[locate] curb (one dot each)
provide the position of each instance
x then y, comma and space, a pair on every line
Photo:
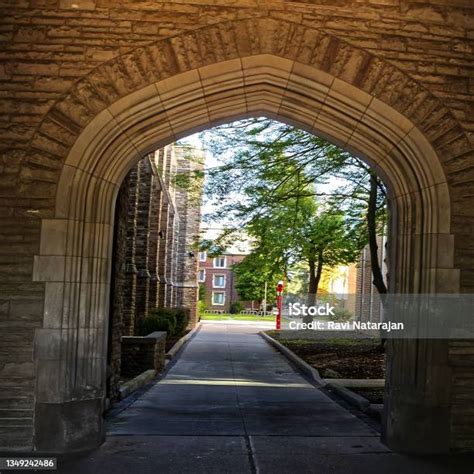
354, 399
180, 342
137, 382
350, 397
303, 366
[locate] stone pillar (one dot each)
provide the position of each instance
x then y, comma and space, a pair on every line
154, 241
163, 254
118, 296
188, 205
142, 240
170, 261
417, 405
130, 270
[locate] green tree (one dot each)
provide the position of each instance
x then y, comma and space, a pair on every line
292, 231
274, 169
251, 275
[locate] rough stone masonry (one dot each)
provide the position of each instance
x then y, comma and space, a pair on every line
156, 234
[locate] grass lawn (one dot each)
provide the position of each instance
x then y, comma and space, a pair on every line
342, 357
236, 317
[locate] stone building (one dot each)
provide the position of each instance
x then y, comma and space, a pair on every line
90, 86
154, 260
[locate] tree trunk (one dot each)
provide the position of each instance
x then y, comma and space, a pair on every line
373, 248
377, 276
315, 271
312, 285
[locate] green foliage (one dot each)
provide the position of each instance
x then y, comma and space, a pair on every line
160, 319
202, 292
236, 307
340, 315
182, 315
277, 171
293, 231
172, 320
201, 308
252, 273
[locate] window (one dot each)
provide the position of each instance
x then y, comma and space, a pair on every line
219, 262
202, 276
218, 281
202, 256
218, 298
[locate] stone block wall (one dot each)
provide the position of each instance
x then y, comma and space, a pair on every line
154, 256
119, 302
188, 204
143, 353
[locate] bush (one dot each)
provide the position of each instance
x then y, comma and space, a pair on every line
202, 292
201, 308
340, 314
236, 307
160, 319
172, 320
182, 315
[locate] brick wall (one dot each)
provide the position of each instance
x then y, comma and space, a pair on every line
229, 290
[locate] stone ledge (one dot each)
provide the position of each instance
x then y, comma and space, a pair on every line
358, 383
303, 366
151, 338
142, 353
180, 343
349, 396
137, 382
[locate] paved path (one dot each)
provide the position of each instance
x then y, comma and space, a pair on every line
232, 404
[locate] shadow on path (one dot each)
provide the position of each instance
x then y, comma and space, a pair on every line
231, 403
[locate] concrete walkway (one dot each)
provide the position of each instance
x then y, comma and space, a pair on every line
232, 404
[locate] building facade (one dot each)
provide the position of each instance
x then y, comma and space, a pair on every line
368, 304
353, 284
218, 278
154, 255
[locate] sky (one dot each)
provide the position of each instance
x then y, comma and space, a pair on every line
211, 229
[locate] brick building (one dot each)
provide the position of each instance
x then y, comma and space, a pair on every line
154, 258
218, 278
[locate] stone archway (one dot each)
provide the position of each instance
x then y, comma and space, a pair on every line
155, 95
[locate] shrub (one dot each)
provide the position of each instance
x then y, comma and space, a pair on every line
160, 319
201, 308
340, 314
236, 307
182, 315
